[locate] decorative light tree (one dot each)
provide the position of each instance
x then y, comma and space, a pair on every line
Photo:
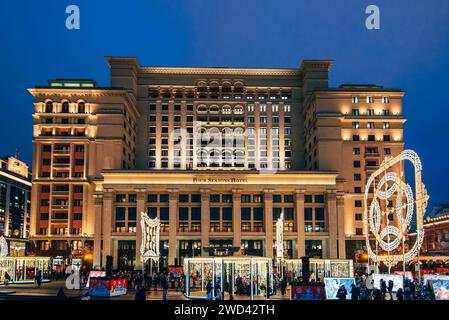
407, 204
149, 248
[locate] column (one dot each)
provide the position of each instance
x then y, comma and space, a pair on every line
341, 225
205, 220
108, 212
236, 220
141, 198
332, 223
299, 210
98, 209
268, 212
172, 226
34, 214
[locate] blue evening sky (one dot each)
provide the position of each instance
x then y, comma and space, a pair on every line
410, 51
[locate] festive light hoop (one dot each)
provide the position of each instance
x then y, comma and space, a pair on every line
149, 248
382, 191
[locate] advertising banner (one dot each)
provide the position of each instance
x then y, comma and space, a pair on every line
440, 289
428, 277
398, 281
333, 284
117, 287
308, 293
95, 274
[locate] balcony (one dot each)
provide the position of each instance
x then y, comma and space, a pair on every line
372, 154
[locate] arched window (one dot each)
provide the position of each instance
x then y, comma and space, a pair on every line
49, 107
81, 107
238, 87
227, 158
65, 107
202, 109
214, 109
238, 110
226, 87
226, 109
202, 86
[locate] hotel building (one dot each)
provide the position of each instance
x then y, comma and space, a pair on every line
15, 205
215, 153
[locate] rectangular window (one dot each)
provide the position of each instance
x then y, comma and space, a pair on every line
183, 214
183, 198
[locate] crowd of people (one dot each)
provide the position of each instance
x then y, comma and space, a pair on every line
364, 289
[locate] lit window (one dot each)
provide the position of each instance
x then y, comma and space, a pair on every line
287, 108
355, 99
386, 125
385, 100
275, 108
369, 99
370, 125
355, 125
263, 108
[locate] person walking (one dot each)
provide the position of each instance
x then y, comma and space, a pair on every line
383, 288
341, 293
390, 288
355, 292
7, 278
283, 286
164, 284
38, 278
138, 281
141, 294
399, 294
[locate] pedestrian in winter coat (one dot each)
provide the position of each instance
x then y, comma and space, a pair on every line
341, 293
355, 292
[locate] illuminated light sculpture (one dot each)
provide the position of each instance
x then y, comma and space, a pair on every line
392, 186
3, 247
280, 236
149, 248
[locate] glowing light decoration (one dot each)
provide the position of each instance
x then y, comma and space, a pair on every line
149, 248
391, 186
280, 236
3, 247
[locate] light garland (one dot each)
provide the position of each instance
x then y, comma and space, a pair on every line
149, 248
382, 191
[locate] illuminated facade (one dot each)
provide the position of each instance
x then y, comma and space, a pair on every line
15, 198
215, 153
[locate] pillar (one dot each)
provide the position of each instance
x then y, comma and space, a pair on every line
205, 220
341, 225
268, 212
299, 209
236, 220
332, 223
108, 212
172, 226
141, 198
98, 209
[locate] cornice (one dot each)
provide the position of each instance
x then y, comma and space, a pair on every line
221, 71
